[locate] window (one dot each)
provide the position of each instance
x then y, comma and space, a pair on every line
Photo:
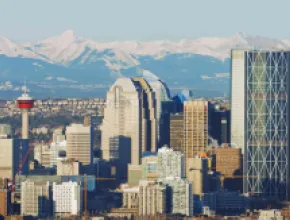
151, 167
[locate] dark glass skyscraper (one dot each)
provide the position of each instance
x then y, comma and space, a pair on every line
266, 150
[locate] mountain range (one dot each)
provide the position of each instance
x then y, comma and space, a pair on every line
72, 66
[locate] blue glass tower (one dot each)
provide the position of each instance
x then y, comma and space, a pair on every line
266, 150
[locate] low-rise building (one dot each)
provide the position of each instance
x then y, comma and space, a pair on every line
67, 167
67, 199
271, 214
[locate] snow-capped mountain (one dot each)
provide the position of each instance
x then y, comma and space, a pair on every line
11, 49
71, 62
67, 47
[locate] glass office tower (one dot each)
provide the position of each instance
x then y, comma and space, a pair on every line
266, 146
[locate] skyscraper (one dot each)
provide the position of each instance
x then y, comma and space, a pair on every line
238, 99
260, 117
195, 127
148, 104
177, 132
129, 125
79, 143
170, 163
163, 107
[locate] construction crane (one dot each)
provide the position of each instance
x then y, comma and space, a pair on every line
22, 161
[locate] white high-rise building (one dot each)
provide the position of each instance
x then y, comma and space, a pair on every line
67, 199
170, 163
238, 99
182, 199
79, 144
129, 125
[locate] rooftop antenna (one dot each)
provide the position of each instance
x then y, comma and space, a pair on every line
25, 88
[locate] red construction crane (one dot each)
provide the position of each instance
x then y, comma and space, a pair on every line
22, 161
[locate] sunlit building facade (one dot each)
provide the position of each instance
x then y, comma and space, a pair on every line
265, 102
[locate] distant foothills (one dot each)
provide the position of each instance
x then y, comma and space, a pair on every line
69, 66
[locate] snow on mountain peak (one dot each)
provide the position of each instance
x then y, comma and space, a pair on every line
12, 49
67, 47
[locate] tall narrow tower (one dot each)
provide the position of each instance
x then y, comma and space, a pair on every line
25, 103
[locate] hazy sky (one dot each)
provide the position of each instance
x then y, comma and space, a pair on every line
23, 20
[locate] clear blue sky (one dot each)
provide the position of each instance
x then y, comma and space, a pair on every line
23, 20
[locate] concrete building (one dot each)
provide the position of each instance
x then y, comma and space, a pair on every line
9, 157
149, 166
55, 149
36, 199
179, 196
229, 161
238, 70
130, 198
271, 214
177, 132
79, 143
5, 130
129, 125
260, 116
196, 172
170, 163
67, 167
67, 199
224, 202
134, 174
152, 198
5, 202
196, 121
42, 154
58, 135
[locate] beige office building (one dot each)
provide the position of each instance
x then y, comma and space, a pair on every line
9, 157
130, 198
67, 167
5, 130
197, 174
152, 198
42, 154
134, 174
195, 127
35, 199
129, 125
79, 143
